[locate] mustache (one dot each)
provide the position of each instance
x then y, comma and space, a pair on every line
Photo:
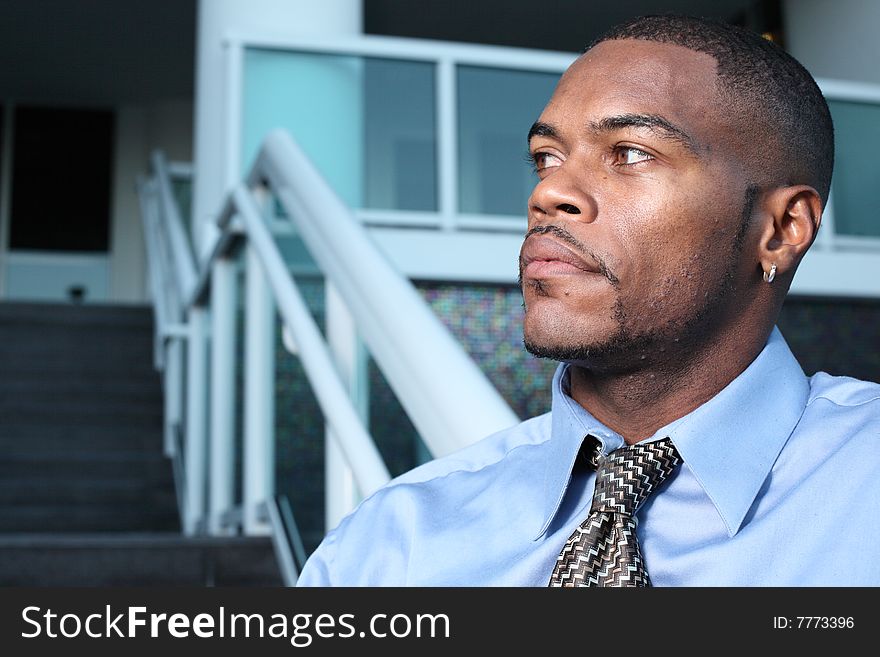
564, 236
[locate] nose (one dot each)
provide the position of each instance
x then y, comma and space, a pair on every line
561, 195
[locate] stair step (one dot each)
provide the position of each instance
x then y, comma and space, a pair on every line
145, 388
53, 314
66, 334
60, 517
86, 464
82, 366
64, 341
58, 344
33, 413
74, 489
136, 560
86, 495
129, 389
51, 443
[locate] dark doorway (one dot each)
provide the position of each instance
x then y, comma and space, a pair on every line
61, 177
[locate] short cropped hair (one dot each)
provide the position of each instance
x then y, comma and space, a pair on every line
764, 86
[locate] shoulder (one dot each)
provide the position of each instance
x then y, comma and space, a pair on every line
832, 454
484, 453
398, 513
840, 427
469, 462
843, 396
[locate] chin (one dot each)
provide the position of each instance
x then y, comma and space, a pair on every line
601, 346
558, 324
565, 344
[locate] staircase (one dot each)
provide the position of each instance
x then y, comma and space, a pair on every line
86, 495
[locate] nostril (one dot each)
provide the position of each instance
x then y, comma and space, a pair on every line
568, 208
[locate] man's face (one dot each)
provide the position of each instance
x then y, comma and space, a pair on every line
636, 226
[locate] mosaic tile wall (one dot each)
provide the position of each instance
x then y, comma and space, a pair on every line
839, 337
299, 430
487, 320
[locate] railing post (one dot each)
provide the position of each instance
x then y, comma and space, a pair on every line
349, 356
221, 454
259, 401
173, 392
195, 452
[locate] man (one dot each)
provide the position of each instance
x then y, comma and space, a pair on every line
683, 167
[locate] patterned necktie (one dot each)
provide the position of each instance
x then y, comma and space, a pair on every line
604, 549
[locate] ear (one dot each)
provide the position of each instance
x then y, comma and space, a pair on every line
791, 219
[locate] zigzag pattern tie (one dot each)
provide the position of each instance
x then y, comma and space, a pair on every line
604, 549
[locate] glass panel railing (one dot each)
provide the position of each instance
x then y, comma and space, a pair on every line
856, 174
181, 189
496, 107
396, 437
299, 423
368, 124
299, 427
400, 170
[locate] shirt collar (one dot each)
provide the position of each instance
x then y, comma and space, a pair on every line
730, 443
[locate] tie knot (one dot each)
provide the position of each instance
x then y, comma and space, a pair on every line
627, 476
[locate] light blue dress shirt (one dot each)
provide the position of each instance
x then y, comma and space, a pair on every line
780, 486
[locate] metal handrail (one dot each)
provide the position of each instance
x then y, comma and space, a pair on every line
356, 443
286, 539
414, 350
449, 399
151, 241
178, 471
182, 255
169, 310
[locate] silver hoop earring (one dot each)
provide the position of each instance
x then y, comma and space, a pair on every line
770, 275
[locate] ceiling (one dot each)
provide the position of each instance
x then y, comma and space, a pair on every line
567, 25
110, 52
96, 52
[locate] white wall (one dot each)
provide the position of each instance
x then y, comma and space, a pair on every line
835, 38
140, 129
217, 19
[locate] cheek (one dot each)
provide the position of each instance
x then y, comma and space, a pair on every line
667, 262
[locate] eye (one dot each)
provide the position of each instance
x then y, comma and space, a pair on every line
629, 155
541, 161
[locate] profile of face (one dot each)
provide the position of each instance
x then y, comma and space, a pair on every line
638, 229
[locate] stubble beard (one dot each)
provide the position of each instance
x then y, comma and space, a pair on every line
629, 348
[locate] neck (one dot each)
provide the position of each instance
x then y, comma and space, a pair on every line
636, 404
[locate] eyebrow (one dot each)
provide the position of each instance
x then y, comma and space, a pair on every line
541, 129
661, 127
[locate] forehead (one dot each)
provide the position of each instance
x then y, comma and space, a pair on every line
642, 77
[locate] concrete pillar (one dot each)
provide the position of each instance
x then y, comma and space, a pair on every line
217, 19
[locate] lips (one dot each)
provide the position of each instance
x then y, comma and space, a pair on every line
543, 256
